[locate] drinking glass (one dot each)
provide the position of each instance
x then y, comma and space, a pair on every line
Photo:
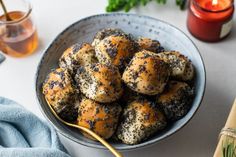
18, 35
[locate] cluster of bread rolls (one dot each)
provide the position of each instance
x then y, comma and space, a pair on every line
120, 86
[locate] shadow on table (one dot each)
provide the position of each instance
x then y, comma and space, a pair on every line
199, 137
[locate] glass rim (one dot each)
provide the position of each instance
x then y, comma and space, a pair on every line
26, 14
213, 11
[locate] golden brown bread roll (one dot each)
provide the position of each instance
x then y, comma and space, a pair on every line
181, 66
61, 94
100, 35
77, 55
100, 118
116, 50
140, 119
100, 82
150, 45
189, 72
146, 73
176, 100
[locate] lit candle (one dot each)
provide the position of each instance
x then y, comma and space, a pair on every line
210, 20
214, 2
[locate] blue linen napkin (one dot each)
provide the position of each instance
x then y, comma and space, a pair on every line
2, 58
22, 134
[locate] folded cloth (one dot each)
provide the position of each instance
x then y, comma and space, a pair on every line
22, 134
2, 58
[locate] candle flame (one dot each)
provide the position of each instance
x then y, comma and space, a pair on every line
214, 2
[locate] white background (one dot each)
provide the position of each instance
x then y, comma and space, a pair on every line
197, 139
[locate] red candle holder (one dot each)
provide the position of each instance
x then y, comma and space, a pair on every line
210, 20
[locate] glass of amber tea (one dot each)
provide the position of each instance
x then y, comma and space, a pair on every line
18, 36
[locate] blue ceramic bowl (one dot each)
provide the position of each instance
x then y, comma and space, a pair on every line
84, 30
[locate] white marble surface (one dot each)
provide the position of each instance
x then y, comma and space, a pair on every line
197, 139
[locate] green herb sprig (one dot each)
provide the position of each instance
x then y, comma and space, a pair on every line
228, 148
126, 5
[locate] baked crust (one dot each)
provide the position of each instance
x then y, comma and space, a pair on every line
146, 73
100, 82
176, 100
100, 118
140, 119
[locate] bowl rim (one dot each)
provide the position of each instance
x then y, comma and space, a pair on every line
129, 147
